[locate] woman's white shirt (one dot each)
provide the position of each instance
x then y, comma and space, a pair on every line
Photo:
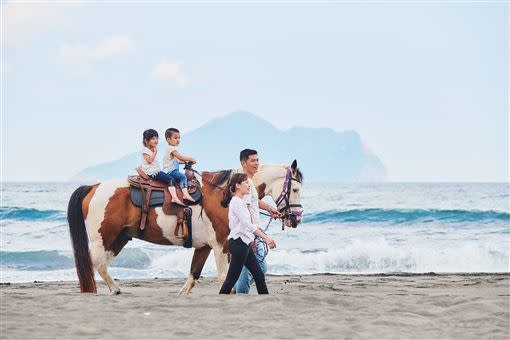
239, 221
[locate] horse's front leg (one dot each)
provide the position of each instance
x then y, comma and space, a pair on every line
221, 262
197, 264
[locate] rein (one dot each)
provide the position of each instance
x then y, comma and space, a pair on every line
287, 211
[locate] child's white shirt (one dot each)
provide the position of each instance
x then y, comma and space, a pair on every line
170, 163
150, 168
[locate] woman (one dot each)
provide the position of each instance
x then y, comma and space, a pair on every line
242, 233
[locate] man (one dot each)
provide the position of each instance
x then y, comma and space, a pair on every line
250, 164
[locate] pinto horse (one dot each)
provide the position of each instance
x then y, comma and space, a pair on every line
104, 214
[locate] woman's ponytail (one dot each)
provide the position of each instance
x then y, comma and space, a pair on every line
230, 189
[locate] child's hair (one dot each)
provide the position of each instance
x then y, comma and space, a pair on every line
148, 135
168, 132
230, 189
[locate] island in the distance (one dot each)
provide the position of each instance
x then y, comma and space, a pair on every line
322, 153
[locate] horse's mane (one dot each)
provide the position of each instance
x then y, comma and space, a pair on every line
219, 177
299, 175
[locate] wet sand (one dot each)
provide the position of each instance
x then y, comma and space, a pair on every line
428, 306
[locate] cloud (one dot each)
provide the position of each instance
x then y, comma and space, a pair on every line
80, 56
109, 47
168, 70
22, 22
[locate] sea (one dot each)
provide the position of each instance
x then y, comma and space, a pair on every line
360, 228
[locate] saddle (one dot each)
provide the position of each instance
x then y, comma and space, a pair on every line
148, 193
194, 187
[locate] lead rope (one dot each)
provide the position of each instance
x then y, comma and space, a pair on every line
264, 243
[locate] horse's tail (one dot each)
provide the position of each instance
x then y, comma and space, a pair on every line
80, 240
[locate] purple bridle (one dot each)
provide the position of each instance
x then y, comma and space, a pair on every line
285, 197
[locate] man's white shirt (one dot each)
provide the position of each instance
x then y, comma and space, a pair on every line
252, 200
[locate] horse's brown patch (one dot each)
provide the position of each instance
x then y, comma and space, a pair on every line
116, 217
152, 231
261, 190
122, 220
217, 214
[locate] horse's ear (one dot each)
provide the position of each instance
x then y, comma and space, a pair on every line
294, 166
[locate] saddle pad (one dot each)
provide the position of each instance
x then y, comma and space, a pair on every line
157, 197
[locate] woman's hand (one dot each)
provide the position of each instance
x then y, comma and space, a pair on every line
270, 242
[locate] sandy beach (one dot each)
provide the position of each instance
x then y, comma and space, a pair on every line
446, 306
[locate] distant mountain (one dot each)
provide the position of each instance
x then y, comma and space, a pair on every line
322, 154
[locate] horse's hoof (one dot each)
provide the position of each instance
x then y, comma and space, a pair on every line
222, 279
186, 289
115, 292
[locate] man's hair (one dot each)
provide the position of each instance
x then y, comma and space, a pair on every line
168, 132
246, 153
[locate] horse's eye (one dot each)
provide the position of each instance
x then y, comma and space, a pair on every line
295, 190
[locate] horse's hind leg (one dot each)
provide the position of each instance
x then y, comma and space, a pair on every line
197, 264
103, 271
101, 259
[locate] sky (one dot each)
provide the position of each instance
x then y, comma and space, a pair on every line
426, 85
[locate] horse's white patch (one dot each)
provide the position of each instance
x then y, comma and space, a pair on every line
97, 209
202, 230
167, 224
273, 175
201, 227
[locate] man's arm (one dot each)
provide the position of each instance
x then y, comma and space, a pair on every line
264, 206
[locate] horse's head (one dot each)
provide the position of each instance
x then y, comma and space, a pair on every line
283, 184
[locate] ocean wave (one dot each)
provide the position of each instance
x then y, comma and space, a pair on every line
29, 214
53, 259
380, 256
360, 256
36, 260
397, 216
